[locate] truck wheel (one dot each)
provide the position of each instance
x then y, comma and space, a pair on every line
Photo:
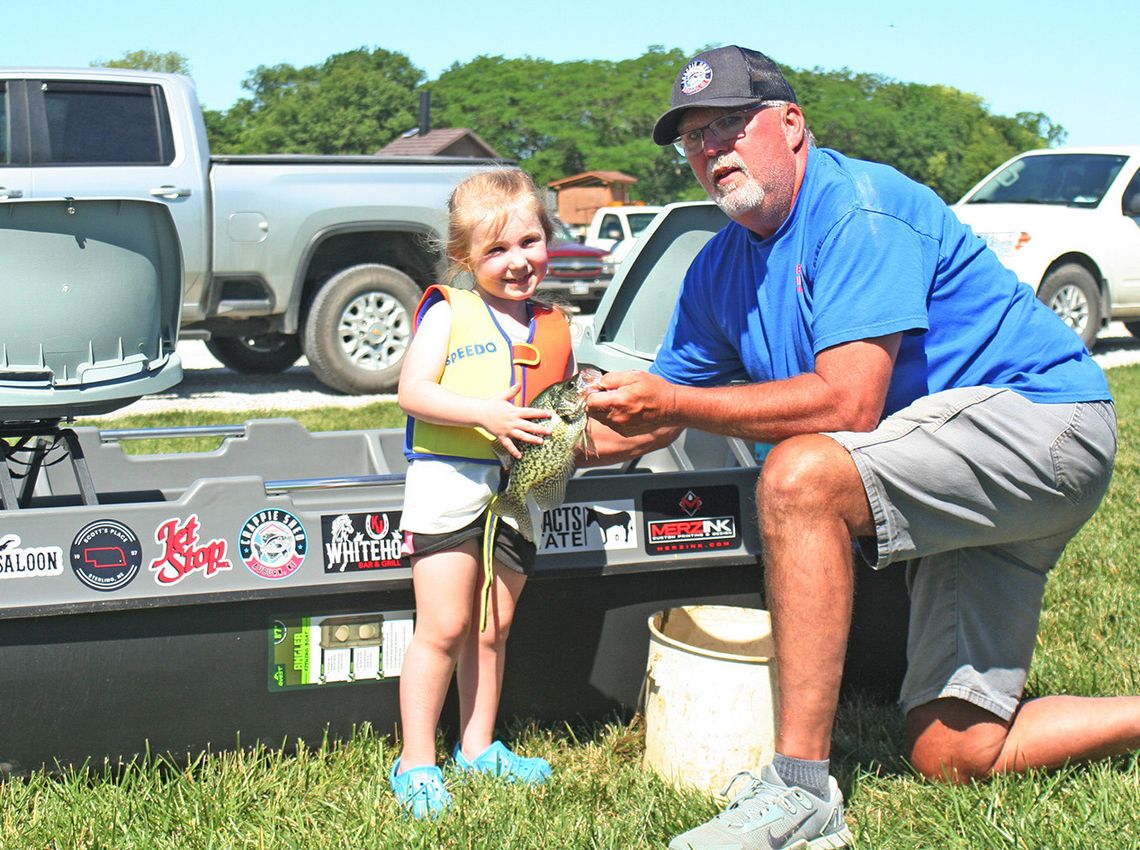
1071, 293
267, 354
1133, 328
359, 327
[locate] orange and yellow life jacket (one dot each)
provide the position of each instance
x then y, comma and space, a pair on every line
482, 362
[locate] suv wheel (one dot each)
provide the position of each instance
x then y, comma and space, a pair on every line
1071, 292
266, 354
359, 327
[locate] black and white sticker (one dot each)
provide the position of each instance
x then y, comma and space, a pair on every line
106, 555
589, 526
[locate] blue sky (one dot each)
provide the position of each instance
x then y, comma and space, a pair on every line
1076, 62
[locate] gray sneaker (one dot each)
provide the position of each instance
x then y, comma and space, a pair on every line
770, 815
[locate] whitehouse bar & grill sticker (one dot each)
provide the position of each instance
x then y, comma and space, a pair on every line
362, 542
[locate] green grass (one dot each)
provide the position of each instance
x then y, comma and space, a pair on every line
335, 794
378, 415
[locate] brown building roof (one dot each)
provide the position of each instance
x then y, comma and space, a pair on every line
592, 178
445, 141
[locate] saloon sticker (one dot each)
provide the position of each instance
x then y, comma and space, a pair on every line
273, 544
341, 649
359, 542
106, 555
183, 552
691, 520
588, 526
18, 561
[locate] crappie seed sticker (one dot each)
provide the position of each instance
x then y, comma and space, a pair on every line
106, 555
691, 519
589, 526
273, 544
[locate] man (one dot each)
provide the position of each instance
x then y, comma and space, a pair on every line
922, 403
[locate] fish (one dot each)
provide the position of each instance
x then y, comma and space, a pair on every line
540, 475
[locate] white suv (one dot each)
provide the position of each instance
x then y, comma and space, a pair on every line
1067, 221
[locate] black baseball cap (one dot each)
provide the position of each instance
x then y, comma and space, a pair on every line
726, 76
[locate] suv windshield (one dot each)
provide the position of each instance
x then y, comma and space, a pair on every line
561, 232
639, 221
1075, 179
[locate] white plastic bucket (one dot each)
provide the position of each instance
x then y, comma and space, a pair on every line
710, 696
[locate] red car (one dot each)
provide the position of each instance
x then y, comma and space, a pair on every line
575, 271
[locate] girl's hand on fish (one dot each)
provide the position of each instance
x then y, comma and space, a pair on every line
511, 424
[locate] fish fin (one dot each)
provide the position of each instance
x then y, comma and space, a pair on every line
551, 492
505, 506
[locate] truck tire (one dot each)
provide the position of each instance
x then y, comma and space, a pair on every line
1133, 328
1071, 292
267, 354
359, 327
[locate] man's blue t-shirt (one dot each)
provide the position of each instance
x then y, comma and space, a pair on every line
868, 252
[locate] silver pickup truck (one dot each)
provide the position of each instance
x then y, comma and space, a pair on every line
283, 255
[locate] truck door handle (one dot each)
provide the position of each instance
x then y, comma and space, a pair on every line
10, 193
170, 192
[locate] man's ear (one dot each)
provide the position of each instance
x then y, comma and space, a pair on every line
795, 126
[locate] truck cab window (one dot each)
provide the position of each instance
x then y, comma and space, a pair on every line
1131, 199
5, 132
113, 124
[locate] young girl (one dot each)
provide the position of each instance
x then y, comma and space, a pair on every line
476, 359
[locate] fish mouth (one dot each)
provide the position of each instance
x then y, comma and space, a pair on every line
589, 380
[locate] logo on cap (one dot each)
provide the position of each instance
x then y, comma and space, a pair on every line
696, 76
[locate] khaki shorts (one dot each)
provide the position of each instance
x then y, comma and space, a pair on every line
979, 490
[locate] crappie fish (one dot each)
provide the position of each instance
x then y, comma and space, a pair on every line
544, 468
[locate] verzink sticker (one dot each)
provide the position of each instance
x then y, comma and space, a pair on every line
106, 555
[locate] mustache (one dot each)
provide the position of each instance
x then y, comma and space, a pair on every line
729, 159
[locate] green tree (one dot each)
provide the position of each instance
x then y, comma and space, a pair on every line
558, 119
170, 62
937, 135
353, 103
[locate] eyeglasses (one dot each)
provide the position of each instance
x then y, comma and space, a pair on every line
727, 128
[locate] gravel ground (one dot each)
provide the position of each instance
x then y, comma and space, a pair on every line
207, 385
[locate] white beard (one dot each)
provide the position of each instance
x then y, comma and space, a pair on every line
743, 196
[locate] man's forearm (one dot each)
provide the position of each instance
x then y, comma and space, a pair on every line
605, 446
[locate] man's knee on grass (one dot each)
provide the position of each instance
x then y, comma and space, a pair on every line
952, 740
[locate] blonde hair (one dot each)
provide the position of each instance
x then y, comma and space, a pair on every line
488, 197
